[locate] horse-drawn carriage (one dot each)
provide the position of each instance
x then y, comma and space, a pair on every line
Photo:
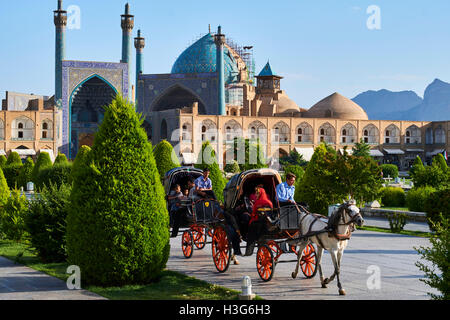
282, 223
202, 219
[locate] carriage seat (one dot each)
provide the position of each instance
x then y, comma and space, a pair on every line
270, 214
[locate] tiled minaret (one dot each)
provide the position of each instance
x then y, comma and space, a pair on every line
139, 44
127, 24
219, 40
60, 19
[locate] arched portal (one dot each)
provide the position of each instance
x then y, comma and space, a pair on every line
87, 104
178, 97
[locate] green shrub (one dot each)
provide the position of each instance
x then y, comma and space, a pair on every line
25, 173
433, 176
392, 197
416, 198
117, 222
12, 217
80, 161
58, 174
4, 190
397, 221
61, 158
232, 167
46, 222
437, 204
43, 161
3, 161
12, 172
390, 170
207, 159
437, 275
165, 157
14, 158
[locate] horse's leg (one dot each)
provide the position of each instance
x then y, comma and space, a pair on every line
336, 262
339, 257
303, 245
333, 253
319, 255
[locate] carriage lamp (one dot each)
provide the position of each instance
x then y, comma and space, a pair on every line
246, 286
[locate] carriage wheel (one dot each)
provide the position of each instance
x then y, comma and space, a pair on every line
309, 261
209, 232
265, 263
221, 249
199, 234
276, 249
187, 244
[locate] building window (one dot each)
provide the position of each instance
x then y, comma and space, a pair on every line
46, 129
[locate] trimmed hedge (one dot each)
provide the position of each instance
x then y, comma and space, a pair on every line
117, 223
25, 173
3, 161
46, 222
12, 217
13, 158
416, 198
11, 172
4, 190
392, 197
438, 202
165, 157
390, 170
43, 161
57, 174
61, 158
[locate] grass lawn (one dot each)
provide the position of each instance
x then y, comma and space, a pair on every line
404, 232
395, 208
170, 285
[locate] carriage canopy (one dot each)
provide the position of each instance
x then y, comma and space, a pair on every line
180, 175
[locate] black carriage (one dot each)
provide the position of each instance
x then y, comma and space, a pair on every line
202, 219
281, 223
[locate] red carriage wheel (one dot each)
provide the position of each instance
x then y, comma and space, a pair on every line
276, 249
221, 249
309, 261
187, 244
209, 232
199, 235
265, 263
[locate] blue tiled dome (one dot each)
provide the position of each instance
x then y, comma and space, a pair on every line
201, 57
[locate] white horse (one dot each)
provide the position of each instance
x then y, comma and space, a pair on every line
331, 235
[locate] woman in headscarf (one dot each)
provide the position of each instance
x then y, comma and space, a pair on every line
257, 224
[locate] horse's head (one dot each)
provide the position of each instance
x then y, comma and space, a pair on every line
351, 213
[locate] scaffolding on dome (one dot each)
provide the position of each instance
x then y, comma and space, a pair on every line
246, 53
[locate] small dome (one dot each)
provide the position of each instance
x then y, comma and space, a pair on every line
337, 106
201, 57
285, 104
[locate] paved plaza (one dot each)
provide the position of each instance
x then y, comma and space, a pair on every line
392, 254
18, 282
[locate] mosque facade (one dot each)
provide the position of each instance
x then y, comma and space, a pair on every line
212, 93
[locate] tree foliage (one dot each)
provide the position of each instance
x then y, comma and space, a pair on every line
43, 161
248, 154
166, 158
361, 149
117, 223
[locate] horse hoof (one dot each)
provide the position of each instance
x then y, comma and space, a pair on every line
326, 281
293, 275
342, 292
324, 285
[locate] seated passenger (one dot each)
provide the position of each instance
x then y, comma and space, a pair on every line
257, 226
286, 191
203, 186
192, 193
176, 211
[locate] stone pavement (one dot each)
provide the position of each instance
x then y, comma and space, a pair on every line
18, 282
392, 255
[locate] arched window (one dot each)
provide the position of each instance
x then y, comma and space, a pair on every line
232, 130
439, 135
429, 136
2, 130
392, 134
257, 130
46, 131
304, 133
348, 133
327, 133
413, 135
186, 132
208, 131
371, 134
280, 133
22, 128
163, 131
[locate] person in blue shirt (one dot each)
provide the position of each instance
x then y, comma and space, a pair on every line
286, 190
203, 186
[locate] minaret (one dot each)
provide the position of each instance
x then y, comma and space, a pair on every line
60, 19
219, 40
139, 44
127, 24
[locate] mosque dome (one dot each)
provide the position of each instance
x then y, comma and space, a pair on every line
286, 105
337, 106
201, 57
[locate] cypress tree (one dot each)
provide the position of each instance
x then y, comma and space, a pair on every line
25, 173
207, 159
43, 161
80, 160
165, 157
13, 158
117, 223
61, 158
12, 169
4, 190
3, 161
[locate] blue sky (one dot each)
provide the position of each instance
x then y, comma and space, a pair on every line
319, 47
